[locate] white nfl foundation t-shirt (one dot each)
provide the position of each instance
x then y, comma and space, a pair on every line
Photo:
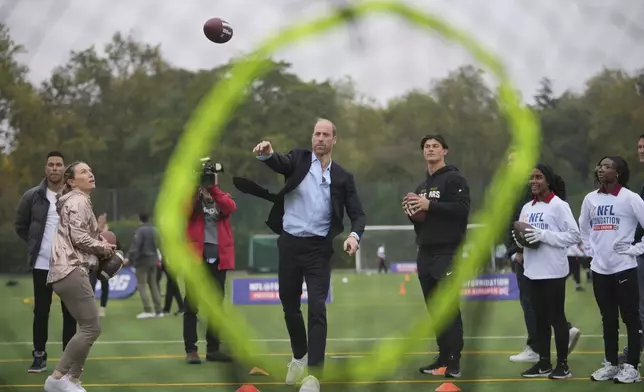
606, 219
44, 255
560, 231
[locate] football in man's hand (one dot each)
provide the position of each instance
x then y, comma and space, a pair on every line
418, 216
520, 230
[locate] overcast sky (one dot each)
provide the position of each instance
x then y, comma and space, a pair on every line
566, 40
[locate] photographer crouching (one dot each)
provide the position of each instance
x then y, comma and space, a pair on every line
211, 236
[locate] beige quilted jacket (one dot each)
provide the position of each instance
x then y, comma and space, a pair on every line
76, 241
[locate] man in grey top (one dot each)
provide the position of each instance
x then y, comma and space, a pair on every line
144, 256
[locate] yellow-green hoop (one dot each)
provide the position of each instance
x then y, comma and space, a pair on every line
207, 123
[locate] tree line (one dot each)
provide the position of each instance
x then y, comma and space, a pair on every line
123, 108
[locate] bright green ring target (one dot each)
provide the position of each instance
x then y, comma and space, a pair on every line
207, 123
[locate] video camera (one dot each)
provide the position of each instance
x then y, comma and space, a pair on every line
208, 172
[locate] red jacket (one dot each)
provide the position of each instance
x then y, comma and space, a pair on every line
196, 223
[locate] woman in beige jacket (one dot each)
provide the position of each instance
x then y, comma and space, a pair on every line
75, 251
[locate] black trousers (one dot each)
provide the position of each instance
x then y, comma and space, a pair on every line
190, 337
105, 287
450, 340
305, 259
525, 299
575, 268
42, 305
549, 303
619, 293
382, 265
172, 291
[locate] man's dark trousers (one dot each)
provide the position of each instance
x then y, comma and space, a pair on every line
450, 340
305, 259
42, 304
190, 337
526, 305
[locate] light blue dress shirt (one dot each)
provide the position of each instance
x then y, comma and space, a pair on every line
307, 209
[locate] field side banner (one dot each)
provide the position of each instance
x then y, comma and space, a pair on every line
263, 291
122, 285
485, 287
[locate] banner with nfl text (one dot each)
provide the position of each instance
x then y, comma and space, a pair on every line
122, 285
263, 291
484, 287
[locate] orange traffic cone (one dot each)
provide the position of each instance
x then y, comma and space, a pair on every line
247, 388
402, 290
447, 387
406, 277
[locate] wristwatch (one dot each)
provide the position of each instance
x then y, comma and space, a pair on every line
355, 235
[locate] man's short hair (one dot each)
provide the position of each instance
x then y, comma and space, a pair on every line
144, 217
438, 138
331, 122
641, 137
55, 153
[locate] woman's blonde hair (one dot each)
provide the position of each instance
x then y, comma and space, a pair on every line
69, 175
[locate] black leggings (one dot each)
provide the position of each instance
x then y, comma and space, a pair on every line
575, 268
619, 293
548, 300
105, 287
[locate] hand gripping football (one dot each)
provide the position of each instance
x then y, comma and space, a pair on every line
110, 266
519, 230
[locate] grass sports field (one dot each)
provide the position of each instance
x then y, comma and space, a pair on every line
142, 355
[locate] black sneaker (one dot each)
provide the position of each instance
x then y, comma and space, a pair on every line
538, 370
561, 372
39, 364
453, 369
218, 356
437, 364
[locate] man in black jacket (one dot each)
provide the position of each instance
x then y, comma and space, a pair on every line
36, 221
445, 197
307, 215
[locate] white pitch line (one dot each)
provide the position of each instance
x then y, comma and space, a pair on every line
108, 342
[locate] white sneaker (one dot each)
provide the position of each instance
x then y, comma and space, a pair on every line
310, 384
296, 370
101, 312
159, 315
605, 373
53, 384
574, 335
527, 355
145, 315
627, 375
64, 384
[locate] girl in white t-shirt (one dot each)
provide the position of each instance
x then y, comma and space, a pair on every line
608, 219
546, 267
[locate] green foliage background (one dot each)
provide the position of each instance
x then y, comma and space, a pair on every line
123, 108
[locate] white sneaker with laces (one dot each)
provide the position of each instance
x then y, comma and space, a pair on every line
573, 338
527, 355
605, 373
64, 384
628, 375
310, 384
145, 315
296, 370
